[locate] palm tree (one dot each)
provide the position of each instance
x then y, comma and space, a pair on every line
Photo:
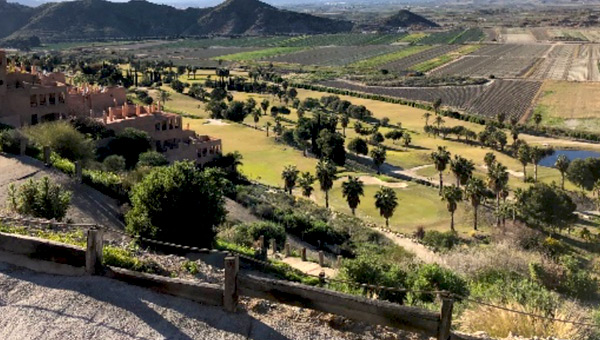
406, 139
386, 201
439, 121
537, 119
562, 164
537, 154
268, 125
265, 105
426, 116
497, 182
256, 116
290, 176
379, 155
475, 191
452, 195
524, 156
305, 182
326, 174
164, 96
441, 158
344, 121
462, 169
352, 189
489, 159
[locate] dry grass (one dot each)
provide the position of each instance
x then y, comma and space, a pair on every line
500, 323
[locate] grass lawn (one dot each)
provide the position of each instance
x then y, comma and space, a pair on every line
264, 158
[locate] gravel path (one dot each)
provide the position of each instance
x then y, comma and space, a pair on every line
42, 306
87, 204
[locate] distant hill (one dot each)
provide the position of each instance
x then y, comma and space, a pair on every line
255, 17
97, 19
405, 18
12, 17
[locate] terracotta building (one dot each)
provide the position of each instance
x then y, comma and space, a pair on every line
166, 131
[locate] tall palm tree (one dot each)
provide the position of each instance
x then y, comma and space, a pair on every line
344, 121
267, 126
386, 201
326, 174
497, 182
265, 105
352, 189
441, 158
524, 156
256, 116
289, 176
462, 169
452, 195
306, 182
439, 121
164, 96
537, 154
426, 116
489, 159
475, 191
379, 155
562, 164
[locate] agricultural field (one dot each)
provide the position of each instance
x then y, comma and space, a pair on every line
417, 58
569, 62
388, 58
434, 63
515, 96
347, 39
516, 36
570, 105
503, 61
259, 54
334, 55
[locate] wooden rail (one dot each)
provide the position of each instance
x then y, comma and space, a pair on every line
434, 324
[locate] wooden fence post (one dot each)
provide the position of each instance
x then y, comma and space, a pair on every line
273, 246
93, 252
78, 172
321, 258
230, 293
288, 252
303, 253
47, 155
261, 245
446, 319
339, 261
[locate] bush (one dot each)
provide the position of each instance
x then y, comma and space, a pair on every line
247, 234
432, 277
107, 183
114, 163
372, 270
152, 159
10, 141
42, 199
129, 143
554, 248
63, 139
179, 204
440, 241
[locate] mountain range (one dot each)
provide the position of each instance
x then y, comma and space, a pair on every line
101, 19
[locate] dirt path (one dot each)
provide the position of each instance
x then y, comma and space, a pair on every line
87, 204
308, 267
370, 180
421, 252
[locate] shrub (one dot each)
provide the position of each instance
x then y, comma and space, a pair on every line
42, 198
440, 241
129, 143
114, 163
10, 141
374, 271
107, 183
432, 277
179, 204
152, 158
247, 234
63, 139
554, 248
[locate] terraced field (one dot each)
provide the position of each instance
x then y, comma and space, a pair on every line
334, 56
516, 96
503, 61
456, 96
417, 58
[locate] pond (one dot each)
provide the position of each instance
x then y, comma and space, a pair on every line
571, 155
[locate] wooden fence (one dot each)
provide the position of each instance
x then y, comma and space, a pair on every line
236, 284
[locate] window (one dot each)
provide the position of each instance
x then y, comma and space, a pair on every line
1, 82
42, 98
33, 101
52, 99
34, 119
61, 98
164, 126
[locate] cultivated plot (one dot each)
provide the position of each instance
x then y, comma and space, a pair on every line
417, 58
334, 56
511, 97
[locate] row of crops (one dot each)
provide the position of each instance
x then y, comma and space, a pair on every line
456, 36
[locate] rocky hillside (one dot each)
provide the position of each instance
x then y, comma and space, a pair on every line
255, 17
405, 18
97, 19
